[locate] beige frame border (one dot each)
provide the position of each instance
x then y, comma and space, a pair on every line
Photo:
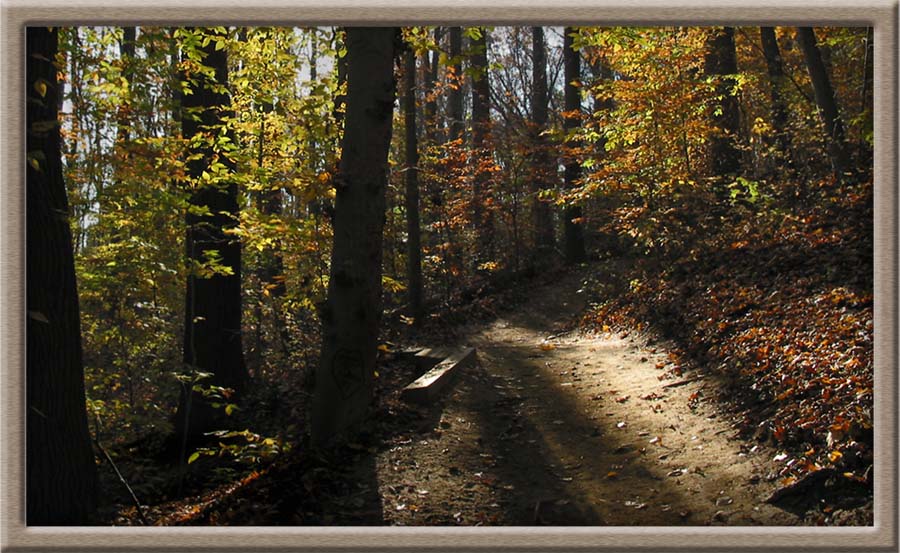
882, 14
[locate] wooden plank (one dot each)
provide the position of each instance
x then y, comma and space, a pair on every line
426, 388
429, 357
409, 352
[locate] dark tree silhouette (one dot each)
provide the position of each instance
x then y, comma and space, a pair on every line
352, 311
455, 98
775, 67
573, 247
212, 326
543, 169
61, 478
721, 63
482, 215
826, 101
413, 231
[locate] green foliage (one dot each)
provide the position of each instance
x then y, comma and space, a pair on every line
642, 145
245, 447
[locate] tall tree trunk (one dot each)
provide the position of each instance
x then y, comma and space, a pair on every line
721, 61
123, 114
482, 158
212, 327
61, 477
413, 232
352, 311
775, 68
431, 81
340, 101
543, 171
573, 246
124, 120
455, 99
826, 102
866, 107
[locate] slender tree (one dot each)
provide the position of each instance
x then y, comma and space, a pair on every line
542, 164
482, 215
721, 65
431, 64
775, 68
212, 326
352, 310
413, 231
573, 246
826, 101
455, 98
61, 477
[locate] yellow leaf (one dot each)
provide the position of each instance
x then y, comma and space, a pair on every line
34, 163
835, 455
547, 347
41, 87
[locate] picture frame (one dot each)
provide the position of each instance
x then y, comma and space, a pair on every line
882, 15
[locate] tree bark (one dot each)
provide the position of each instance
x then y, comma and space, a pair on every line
775, 68
212, 336
573, 247
352, 311
826, 102
61, 477
455, 99
413, 231
720, 62
482, 159
431, 80
542, 164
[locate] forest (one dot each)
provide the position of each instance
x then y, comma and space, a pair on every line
511, 276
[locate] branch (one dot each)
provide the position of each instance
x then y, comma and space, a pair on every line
134, 499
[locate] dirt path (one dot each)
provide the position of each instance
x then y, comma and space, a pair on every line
561, 428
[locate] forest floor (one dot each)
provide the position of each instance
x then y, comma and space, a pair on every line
562, 427
554, 425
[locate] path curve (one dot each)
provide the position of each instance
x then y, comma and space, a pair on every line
557, 427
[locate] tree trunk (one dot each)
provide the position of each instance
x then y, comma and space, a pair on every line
482, 159
413, 232
542, 165
352, 311
455, 100
866, 100
573, 247
720, 62
775, 68
212, 336
431, 80
61, 478
826, 102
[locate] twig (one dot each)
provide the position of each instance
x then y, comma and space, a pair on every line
683, 382
134, 499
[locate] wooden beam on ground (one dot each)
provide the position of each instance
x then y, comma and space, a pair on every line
426, 388
430, 357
